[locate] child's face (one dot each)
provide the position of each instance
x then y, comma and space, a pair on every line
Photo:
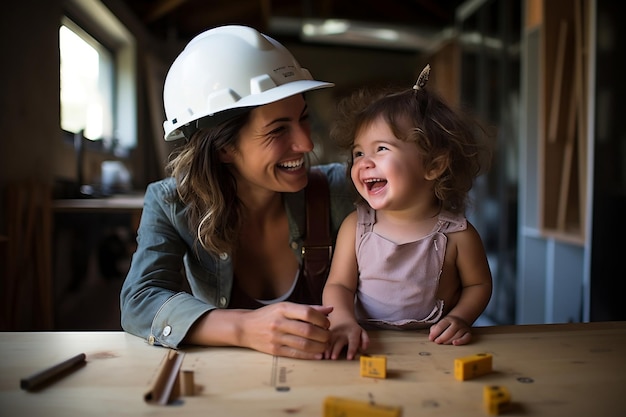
387, 171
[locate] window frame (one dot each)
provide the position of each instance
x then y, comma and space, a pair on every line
99, 23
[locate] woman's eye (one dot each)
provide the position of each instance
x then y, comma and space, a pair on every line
277, 131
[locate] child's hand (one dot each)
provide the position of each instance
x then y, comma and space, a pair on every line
450, 330
346, 334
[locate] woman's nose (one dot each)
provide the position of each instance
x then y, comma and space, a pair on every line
302, 140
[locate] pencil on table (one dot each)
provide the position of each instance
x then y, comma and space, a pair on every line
38, 379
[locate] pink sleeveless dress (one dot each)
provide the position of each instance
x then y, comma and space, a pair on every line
398, 283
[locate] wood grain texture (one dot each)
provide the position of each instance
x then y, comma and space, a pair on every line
550, 370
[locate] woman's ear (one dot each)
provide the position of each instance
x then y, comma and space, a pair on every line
226, 155
437, 167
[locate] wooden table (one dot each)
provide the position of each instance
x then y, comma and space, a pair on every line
121, 202
550, 370
86, 223
124, 203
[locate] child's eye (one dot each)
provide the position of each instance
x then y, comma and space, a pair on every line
382, 148
356, 154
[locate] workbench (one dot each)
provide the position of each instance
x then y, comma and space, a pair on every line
550, 370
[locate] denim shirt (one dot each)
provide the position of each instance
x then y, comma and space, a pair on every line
156, 302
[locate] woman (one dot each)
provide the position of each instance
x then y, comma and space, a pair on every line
229, 222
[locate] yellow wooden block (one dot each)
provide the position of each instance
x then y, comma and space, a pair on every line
344, 407
496, 399
472, 366
374, 366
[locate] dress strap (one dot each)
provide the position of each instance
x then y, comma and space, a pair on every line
366, 217
450, 222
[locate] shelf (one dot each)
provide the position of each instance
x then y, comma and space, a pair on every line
563, 149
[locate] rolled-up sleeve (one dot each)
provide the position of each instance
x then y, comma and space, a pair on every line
153, 303
172, 281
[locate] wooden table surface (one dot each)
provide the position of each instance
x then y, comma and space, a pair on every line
550, 370
122, 203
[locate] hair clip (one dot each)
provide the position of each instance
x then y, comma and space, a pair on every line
422, 79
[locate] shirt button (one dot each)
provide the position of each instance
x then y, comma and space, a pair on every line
151, 340
294, 245
223, 256
223, 301
167, 330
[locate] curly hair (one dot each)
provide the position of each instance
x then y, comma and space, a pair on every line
206, 186
439, 132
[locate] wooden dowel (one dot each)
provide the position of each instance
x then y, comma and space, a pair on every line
48, 375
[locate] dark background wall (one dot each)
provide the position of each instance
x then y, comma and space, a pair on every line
608, 284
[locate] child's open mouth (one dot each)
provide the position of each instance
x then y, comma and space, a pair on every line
374, 184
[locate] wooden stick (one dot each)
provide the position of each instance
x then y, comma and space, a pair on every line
48, 375
557, 83
164, 387
566, 169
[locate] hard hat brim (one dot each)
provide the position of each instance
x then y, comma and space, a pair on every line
253, 100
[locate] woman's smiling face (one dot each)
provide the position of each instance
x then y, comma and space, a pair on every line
271, 148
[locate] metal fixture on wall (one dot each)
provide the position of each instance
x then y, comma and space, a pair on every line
365, 34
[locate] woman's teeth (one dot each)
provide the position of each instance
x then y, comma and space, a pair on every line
295, 164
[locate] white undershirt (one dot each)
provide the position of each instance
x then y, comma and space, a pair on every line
285, 295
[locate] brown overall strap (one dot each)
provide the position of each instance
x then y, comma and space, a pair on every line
317, 248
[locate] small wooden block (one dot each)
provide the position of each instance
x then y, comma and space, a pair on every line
496, 399
472, 366
374, 366
187, 385
344, 407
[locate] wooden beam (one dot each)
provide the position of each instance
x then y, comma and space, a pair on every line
161, 8
581, 100
557, 84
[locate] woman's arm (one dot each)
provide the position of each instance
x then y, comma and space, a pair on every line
155, 307
153, 304
282, 329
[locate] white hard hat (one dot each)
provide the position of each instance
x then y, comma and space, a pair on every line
225, 69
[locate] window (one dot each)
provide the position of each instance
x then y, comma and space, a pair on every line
98, 76
86, 84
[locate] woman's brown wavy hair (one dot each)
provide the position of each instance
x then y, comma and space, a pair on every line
206, 186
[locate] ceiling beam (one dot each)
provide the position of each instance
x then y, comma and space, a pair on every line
161, 8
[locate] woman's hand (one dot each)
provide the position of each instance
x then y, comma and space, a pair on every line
450, 330
286, 329
347, 334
